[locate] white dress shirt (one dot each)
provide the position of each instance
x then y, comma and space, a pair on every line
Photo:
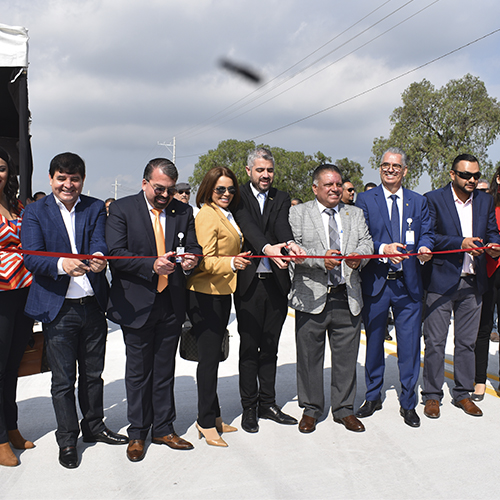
464, 211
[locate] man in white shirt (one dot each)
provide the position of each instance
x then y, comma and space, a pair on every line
462, 217
69, 296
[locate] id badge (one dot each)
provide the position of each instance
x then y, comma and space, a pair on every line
410, 237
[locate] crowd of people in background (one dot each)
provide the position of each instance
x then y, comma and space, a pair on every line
339, 260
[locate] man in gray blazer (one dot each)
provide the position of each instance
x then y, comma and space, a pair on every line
326, 295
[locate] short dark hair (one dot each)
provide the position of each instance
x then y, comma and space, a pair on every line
166, 167
325, 167
370, 185
464, 157
204, 194
67, 163
12, 185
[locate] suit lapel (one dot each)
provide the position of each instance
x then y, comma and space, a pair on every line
407, 213
143, 211
226, 223
346, 225
55, 218
268, 206
449, 203
475, 213
79, 226
382, 205
317, 220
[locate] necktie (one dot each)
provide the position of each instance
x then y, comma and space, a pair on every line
396, 231
261, 198
335, 275
160, 247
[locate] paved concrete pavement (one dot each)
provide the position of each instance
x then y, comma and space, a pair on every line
453, 457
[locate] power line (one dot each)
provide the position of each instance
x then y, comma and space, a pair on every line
222, 112
325, 67
379, 85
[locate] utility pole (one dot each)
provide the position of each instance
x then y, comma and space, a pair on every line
116, 187
168, 146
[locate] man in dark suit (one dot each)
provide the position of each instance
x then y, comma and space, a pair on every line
261, 295
326, 295
69, 297
147, 299
399, 222
462, 217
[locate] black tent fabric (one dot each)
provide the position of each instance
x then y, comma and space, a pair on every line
14, 124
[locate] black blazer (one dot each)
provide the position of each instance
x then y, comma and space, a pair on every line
271, 227
129, 231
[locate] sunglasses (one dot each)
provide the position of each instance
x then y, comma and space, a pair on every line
182, 192
468, 175
220, 190
351, 190
161, 189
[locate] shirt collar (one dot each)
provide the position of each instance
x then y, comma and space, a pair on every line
61, 205
398, 193
322, 207
256, 192
150, 207
456, 199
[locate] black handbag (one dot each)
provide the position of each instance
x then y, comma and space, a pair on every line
188, 348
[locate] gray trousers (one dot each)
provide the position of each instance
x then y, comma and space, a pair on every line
466, 306
343, 333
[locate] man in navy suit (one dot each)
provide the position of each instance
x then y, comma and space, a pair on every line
147, 299
69, 297
399, 222
462, 217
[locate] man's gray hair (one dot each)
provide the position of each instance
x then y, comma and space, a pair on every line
395, 151
263, 153
166, 167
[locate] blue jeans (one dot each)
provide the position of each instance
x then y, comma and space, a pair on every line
77, 334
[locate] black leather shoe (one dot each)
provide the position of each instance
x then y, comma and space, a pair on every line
68, 457
410, 416
274, 412
249, 420
368, 408
106, 436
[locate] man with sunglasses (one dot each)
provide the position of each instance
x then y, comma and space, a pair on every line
399, 222
261, 294
147, 299
462, 217
348, 193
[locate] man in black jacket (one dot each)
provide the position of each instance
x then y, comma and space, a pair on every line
261, 295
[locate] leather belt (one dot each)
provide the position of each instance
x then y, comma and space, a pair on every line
335, 289
394, 275
82, 300
262, 276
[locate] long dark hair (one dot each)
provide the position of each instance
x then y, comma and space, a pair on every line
494, 186
208, 183
12, 185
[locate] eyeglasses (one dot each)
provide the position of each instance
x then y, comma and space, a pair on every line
182, 192
351, 190
220, 190
468, 175
387, 166
161, 189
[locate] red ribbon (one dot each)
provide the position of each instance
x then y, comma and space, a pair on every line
337, 257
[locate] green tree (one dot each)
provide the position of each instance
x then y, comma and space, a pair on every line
352, 171
293, 168
433, 126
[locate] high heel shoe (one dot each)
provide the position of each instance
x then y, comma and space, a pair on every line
7, 457
222, 427
18, 442
211, 436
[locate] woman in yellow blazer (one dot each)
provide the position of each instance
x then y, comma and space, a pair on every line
210, 288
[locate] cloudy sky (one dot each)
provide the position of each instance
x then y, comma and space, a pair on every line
109, 79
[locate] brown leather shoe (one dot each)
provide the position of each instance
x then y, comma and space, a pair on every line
174, 441
136, 450
351, 423
468, 407
307, 424
431, 409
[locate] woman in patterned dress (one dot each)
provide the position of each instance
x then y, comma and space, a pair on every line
15, 327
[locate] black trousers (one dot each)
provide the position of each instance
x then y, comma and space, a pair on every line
15, 331
209, 315
490, 299
261, 312
149, 371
